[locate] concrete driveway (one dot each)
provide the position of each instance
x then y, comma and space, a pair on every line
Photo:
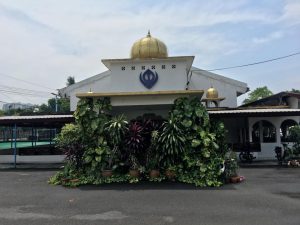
268, 196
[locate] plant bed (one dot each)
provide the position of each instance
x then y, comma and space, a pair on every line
107, 173
154, 174
187, 146
235, 179
134, 173
170, 174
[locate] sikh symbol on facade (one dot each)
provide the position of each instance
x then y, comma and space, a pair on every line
148, 78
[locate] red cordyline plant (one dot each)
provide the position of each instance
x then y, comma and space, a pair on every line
134, 141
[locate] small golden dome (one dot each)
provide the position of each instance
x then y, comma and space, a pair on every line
149, 47
212, 93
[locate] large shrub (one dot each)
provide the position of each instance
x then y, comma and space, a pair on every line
188, 142
203, 158
70, 142
295, 137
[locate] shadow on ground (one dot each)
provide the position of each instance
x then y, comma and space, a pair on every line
143, 185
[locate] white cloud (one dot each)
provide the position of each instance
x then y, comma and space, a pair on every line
291, 12
271, 37
46, 41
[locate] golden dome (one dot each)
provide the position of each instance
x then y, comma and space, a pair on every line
212, 93
149, 47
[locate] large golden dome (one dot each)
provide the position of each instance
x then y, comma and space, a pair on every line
212, 93
148, 47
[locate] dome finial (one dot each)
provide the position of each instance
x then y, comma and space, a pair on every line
212, 93
148, 47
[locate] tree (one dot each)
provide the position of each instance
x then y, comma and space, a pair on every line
70, 80
63, 105
44, 109
295, 91
258, 93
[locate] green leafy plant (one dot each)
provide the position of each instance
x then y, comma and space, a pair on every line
203, 159
70, 141
152, 155
134, 163
91, 116
171, 143
134, 143
188, 142
96, 158
231, 165
116, 129
295, 136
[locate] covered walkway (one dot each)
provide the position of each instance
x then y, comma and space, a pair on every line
29, 135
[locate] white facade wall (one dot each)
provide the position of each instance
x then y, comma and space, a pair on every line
227, 88
293, 102
267, 149
168, 79
100, 85
172, 75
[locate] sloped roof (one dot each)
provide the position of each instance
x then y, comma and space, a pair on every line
269, 101
37, 120
85, 81
255, 112
242, 85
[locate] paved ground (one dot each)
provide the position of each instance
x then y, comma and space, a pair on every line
268, 196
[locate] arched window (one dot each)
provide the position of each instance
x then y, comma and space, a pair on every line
285, 130
255, 132
268, 132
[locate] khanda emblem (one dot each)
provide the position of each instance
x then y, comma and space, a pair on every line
148, 78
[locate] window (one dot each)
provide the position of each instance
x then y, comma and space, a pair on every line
133, 68
285, 130
153, 67
123, 68
163, 67
268, 132
255, 132
143, 67
173, 66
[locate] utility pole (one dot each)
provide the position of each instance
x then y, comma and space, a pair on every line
56, 108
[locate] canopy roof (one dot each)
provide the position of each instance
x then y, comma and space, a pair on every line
53, 121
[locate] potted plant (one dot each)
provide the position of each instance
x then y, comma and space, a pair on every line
231, 168
107, 166
134, 166
152, 159
153, 167
171, 172
115, 130
171, 143
134, 144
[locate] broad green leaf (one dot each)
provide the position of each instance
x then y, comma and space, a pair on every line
88, 159
195, 143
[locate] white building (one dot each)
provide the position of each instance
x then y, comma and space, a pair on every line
123, 75
149, 81
17, 105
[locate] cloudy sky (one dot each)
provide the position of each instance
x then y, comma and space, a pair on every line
44, 42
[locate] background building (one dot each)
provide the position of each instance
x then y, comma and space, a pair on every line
150, 80
18, 105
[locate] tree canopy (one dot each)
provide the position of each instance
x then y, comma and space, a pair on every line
63, 106
295, 90
258, 93
70, 80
